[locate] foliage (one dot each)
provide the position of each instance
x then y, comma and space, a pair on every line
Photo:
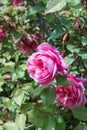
24, 104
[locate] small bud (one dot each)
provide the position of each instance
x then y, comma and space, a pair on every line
13, 26
77, 25
17, 2
66, 37
9, 73
35, 100
7, 79
5, 110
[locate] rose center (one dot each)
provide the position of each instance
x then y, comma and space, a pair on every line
39, 63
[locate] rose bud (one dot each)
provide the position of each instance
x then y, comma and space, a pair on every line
77, 25
66, 37
2, 34
17, 2
35, 100
5, 110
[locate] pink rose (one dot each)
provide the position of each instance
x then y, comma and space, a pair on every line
17, 2
73, 95
2, 34
43, 65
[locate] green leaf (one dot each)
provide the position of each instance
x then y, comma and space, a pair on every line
74, 2
62, 81
2, 61
26, 107
7, 56
51, 124
20, 74
55, 5
83, 54
1, 81
50, 17
75, 6
3, 1
73, 48
20, 121
38, 90
76, 9
81, 127
37, 8
7, 69
17, 35
10, 126
14, 77
69, 59
60, 122
38, 118
1, 89
28, 88
12, 64
7, 102
80, 113
19, 96
1, 128
22, 67
84, 41
48, 95
55, 34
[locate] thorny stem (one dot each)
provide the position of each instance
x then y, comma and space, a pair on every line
77, 59
63, 47
42, 24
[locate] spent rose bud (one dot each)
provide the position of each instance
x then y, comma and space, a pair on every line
17, 2
44, 64
66, 37
72, 96
28, 46
2, 34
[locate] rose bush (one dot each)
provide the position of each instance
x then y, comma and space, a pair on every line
52, 35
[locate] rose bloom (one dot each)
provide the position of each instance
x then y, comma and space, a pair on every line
2, 34
28, 46
44, 64
17, 2
73, 95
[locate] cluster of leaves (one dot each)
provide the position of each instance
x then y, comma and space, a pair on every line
24, 105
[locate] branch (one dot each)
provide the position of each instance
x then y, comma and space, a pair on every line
42, 24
